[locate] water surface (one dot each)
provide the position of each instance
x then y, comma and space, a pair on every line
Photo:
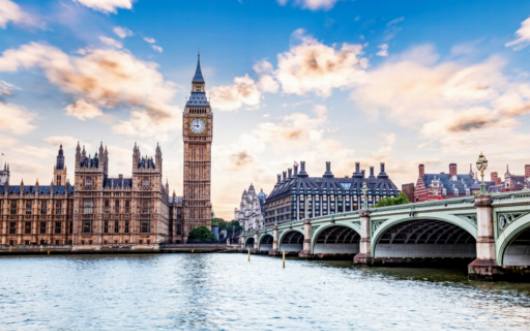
225, 292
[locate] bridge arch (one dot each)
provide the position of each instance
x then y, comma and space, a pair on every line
513, 244
265, 243
335, 239
291, 241
430, 237
249, 243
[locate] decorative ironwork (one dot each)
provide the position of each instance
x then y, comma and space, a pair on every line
505, 219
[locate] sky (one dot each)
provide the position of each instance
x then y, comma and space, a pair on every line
400, 82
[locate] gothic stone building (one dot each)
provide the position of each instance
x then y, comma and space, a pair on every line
297, 196
37, 214
250, 212
97, 211
103, 211
197, 131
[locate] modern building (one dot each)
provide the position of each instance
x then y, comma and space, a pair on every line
297, 196
251, 207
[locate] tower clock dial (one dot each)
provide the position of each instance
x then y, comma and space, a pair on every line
197, 125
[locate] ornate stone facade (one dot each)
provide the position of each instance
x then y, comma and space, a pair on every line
98, 211
197, 130
250, 212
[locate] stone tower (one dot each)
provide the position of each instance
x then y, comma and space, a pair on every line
197, 133
59, 171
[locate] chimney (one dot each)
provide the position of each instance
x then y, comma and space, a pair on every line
290, 173
371, 171
302, 173
328, 172
278, 178
494, 176
527, 170
362, 173
382, 172
452, 169
421, 170
284, 175
295, 169
357, 168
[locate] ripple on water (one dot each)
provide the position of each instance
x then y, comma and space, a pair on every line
225, 292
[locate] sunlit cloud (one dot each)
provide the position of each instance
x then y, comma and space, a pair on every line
107, 6
103, 78
15, 119
522, 36
10, 12
122, 32
311, 4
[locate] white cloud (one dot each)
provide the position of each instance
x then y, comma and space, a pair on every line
15, 119
83, 110
157, 48
311, 66
522, 36
140, 124
11, 12
107, 6
6, 89
122, 32
307, 67
68, 142
449, 104
243, 92
149, 40
111, 42
105, 78
383, 50
311, 4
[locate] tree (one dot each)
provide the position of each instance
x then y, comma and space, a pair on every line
390, 201
200, 234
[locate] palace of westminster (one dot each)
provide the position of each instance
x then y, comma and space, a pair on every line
102, 211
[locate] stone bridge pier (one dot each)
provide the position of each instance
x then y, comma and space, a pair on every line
365, 251
485, 265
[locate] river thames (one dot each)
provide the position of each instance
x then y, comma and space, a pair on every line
225, 292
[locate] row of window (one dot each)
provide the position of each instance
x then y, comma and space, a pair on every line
42, 227
87, 226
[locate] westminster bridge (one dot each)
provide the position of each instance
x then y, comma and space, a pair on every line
492, 231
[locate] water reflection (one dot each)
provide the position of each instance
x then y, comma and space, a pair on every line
225, 292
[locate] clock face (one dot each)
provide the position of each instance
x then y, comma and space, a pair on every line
197, 125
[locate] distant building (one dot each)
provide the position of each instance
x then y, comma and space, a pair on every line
409, 190
438, 186
511, 182
251, 208
297, 196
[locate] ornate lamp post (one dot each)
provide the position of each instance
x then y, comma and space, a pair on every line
365, 196
482, 165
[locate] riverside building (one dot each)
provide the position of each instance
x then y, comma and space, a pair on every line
297, 196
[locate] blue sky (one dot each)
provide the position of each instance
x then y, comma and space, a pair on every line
402, 82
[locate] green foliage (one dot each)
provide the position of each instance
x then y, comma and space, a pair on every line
200, 234
390, 201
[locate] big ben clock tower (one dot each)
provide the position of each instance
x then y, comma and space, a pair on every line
197, 128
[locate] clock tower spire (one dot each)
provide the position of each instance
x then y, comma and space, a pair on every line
197, 132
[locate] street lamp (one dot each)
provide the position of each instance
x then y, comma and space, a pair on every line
365, 196
482, 165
